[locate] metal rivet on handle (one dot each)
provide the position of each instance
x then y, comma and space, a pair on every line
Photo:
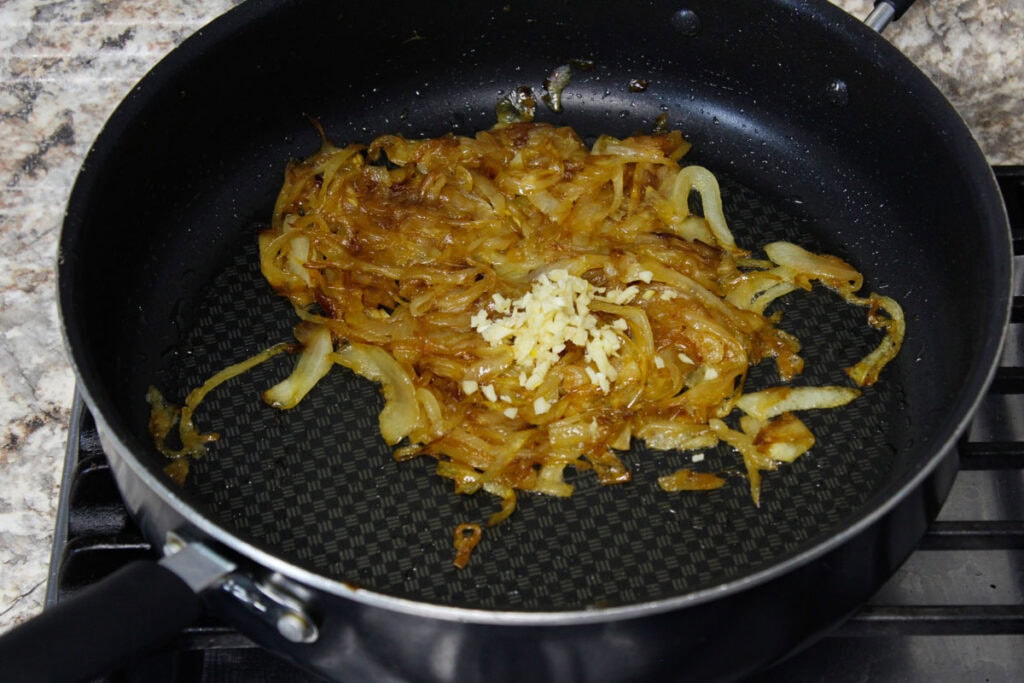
295, 627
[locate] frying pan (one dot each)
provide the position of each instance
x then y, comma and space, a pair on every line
300, 530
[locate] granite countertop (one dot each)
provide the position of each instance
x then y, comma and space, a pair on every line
66, 64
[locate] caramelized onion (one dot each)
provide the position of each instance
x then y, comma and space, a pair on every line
690, 480
465, 538
314, 363
530, 305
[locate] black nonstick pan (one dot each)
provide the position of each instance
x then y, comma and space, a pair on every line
299, 528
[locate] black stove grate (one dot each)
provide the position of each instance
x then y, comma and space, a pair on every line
954, 611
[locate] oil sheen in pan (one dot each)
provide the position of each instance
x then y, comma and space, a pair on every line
317, 485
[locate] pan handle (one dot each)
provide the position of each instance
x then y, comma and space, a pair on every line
127, 614
886, 12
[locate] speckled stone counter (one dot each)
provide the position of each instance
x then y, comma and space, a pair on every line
64, 66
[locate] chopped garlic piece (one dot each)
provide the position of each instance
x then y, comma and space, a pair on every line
540, 405
469, 387
489, 393
479, 319
599, 379
510, 412
501, 304
619, 296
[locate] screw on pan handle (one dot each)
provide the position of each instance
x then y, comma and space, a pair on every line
886, 12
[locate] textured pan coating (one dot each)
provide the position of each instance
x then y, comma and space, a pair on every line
317, 484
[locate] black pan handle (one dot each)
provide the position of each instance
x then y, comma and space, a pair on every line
886, 12
129, 613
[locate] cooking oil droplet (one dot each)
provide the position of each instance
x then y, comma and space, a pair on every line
837, 92
177, 315
686, 22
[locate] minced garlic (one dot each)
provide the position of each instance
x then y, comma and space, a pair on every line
540, 405
554, 313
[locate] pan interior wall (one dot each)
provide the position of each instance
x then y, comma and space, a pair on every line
161, 283
317, 485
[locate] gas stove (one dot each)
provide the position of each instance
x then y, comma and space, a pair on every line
953, 612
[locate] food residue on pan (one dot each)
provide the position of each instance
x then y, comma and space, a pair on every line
519, 106
639, 85
554, 85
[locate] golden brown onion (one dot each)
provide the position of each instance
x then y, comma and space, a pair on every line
529, 305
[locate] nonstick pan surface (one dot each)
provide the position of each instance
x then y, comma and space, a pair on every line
317, 484
821, 134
